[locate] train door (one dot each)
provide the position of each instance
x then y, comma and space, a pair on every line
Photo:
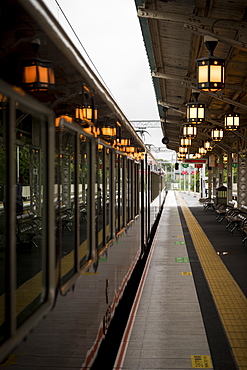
103, 191
27, 276
75, 201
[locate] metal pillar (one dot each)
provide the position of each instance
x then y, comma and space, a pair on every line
189, 180
242, 181
210, 177
229, 176
221, 166
214, 181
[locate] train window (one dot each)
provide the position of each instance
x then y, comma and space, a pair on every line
136, 189
30, 213
99, 199
83, 183
67, 202
27, 284
119, 192
108, 194
129, 190
4, 251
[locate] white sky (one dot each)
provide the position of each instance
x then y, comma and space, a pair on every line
111, 35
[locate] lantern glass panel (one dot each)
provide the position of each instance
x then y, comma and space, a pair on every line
30, 74
215, 73
89, 113
192, 111
201, 111
217, 134
202, 73
43, 75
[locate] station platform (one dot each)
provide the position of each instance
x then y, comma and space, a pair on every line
190, 310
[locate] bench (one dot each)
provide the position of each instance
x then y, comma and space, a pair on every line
235, 218
83, 211
244, 223
209, 204
66, 216
29, 227
223, 209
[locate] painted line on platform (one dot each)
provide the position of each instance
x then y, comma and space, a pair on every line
229, 299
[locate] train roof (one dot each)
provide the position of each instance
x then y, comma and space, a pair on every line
23, 21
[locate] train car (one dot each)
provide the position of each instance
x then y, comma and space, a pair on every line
79, 196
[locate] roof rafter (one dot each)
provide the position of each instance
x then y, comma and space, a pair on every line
192, 19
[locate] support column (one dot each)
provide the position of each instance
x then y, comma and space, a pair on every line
214, 181
203, 181
195, 181
221, 170
242, 181
229, 177
189, 169
210, 178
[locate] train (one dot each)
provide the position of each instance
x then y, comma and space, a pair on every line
90, 193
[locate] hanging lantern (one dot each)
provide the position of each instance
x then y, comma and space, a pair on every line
195, 110
211, 70
202, 150
86, 111
38, 74
197, 156
108, 131
83, 113
232, 121
130, 149
189, 130
185, 141
183, 150
124, 142
217, 134
207, 145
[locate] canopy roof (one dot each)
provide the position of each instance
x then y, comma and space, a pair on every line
173, 32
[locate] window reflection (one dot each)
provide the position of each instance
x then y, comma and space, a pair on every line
108, 192
100, 205
83, 184
3, 110
30, 228
67, 203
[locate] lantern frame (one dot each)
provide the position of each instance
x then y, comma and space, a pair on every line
217, 134
83, 112
182, 150
38, 75
185, 141
202, 150
210, 70
189, 130
207, 145
231, 121
108, 131
195, 110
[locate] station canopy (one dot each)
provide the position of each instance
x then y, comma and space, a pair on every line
176, 34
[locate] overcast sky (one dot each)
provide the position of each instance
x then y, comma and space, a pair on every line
111, 35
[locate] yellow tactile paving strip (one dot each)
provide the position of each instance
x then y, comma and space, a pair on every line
229, 298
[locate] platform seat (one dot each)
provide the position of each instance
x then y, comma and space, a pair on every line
223, 209
29, 228
236, 218
209, 204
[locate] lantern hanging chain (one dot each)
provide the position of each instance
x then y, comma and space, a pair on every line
82, 45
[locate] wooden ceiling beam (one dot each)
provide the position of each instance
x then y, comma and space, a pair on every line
192, 19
